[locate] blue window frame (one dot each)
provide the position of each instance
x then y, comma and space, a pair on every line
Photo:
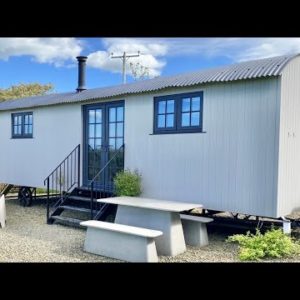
179, 113
22, 125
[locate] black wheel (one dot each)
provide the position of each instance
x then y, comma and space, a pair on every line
25, 196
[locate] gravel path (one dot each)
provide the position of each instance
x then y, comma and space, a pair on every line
27, 238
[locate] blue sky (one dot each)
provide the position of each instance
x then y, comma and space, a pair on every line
53, 60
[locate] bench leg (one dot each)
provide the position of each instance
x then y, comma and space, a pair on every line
171, 243
121, 246
195, 234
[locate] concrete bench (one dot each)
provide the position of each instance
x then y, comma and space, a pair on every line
194, 229
129, 243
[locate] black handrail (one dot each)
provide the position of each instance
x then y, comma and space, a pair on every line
92, 183
64, 177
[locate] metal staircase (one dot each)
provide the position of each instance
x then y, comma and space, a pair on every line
76, 203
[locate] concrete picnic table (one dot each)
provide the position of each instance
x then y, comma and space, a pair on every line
156, 214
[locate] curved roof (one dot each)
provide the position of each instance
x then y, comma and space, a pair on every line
262, 68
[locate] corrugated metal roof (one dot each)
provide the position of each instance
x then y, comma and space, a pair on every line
246, 70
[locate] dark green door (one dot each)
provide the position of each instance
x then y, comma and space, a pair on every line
103, 137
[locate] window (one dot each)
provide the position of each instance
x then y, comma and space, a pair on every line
22, 125
178, 113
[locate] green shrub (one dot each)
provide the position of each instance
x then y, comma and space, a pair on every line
273, 244
128, 183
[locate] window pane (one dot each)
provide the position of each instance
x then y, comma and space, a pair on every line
112, 130
91, 143
91, 131
161, 107
196, 103
91, 116
98, 115
170, 106
15, 129
161, 121
120, 112
91, 173
98, 144
112, 114
119, 143
98, 130
15, 120
185, 121
112, 143
30, 119
186, 104
195, 120
19, 120
19, 129
170, 120
26, 129
29, 129
120, 129
26, 119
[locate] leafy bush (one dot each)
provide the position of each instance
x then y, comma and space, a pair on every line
128, 183
274, 244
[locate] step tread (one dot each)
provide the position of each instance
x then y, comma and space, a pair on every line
67, 220
74, 208
80, 198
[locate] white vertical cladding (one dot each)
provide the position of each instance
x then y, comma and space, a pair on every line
289, 142
56, 131
232, 167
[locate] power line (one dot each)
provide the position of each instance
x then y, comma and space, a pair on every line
124, 58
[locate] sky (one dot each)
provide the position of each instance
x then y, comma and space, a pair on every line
53, 60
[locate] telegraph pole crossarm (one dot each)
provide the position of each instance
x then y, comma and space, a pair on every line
124, 58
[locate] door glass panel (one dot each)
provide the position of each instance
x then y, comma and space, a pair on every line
112, 130
98, 144
119, 143
98, 116
112, 143
120, 114
91, 130
98, 131
112, 114
119, 129
91, 116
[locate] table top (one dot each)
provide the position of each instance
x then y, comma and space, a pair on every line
165, 205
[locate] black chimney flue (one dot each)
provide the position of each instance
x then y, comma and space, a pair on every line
81, 73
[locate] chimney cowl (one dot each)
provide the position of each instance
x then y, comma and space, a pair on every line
81, 73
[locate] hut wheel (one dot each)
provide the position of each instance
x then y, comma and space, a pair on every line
25, 196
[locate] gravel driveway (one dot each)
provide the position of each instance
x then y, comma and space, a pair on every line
27, 238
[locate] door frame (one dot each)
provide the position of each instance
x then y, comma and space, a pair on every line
105, 131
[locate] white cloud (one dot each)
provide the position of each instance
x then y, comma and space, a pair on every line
54, 51
237, 49
151, 55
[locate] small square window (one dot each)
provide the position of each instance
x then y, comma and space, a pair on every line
22, 125
181, 113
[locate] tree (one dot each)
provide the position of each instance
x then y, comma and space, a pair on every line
25, 90
139, 71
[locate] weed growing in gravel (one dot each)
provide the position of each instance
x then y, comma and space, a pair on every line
273, 244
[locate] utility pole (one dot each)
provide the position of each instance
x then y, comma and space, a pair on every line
124, 58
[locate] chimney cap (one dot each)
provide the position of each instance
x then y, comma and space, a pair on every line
81, 58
